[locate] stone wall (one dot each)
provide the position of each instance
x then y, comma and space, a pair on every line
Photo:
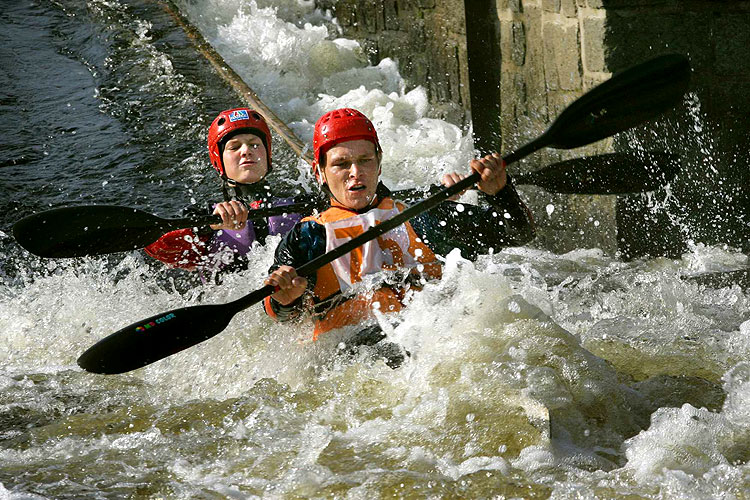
547, 53
542, 72
553, 50
426, 37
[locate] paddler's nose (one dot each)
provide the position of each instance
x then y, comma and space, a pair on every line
356, 170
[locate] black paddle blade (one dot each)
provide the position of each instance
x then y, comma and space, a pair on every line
159, 336
629, 98
87, 230
614, 173
155, 338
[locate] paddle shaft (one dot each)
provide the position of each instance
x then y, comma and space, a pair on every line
305, 207
79, 231
311, 266
253, 214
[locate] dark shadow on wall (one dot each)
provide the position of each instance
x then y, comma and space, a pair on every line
483, 54
709, 201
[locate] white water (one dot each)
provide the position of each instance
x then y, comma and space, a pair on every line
620, 356
301, 70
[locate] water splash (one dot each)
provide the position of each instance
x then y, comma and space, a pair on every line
530, 374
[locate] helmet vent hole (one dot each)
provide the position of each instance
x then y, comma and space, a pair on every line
221, 121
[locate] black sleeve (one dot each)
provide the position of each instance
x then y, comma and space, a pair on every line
295, 248
475, 230
517, 218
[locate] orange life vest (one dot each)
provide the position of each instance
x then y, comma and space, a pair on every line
399, 248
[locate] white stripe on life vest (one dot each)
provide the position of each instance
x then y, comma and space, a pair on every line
370, 256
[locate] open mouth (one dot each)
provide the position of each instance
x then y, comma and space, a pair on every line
357, 188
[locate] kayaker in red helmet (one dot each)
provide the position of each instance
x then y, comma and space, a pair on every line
347, 157
239, 147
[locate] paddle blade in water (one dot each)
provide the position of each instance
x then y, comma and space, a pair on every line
87, 230
615, 173
628, 99
155, 338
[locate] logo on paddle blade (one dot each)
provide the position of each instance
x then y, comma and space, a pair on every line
594, 116
155, 322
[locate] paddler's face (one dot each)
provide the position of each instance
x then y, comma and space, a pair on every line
351, 172
245, 158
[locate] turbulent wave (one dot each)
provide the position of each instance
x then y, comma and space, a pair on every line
530, 374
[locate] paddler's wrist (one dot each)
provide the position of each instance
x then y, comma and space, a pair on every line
507, 194
285, 312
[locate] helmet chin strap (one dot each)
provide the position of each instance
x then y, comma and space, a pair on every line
234, 190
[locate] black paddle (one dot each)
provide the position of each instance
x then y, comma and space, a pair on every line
614, 173
101, 229
626, 100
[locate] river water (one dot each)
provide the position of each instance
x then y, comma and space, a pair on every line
532, 374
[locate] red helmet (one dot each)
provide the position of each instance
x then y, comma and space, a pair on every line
231, 122
341, 125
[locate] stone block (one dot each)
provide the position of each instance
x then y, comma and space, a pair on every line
415, 68
519, 89
393, 44
443, 71
515, 6
450, 16
518, 43
533, 67
346, 12
594, 49
371, 16
416, 36
558, 101
512, 106
390, 11
506, 40
561, 57
551, 6
568, 8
